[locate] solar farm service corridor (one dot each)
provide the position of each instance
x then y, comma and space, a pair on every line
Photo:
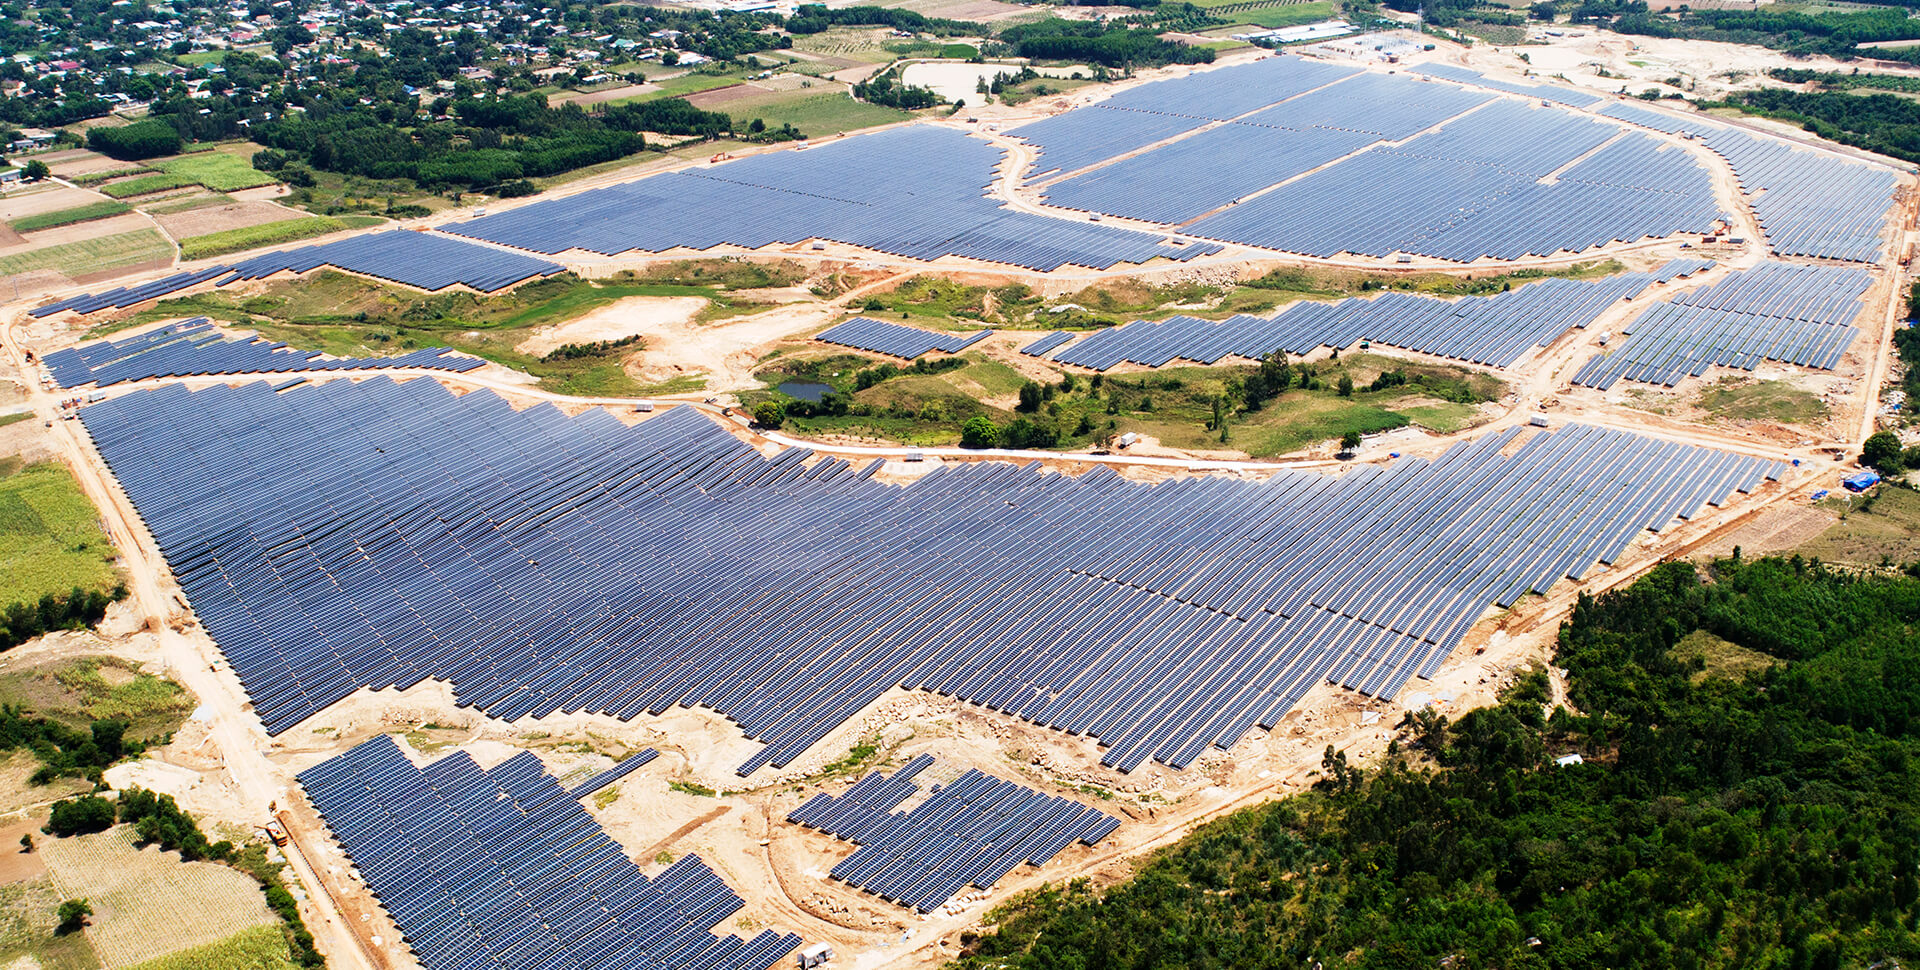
379, 533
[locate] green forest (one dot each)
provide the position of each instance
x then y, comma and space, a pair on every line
1747, 799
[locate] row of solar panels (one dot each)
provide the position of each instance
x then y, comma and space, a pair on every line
1774, 311
193, 348
1809, 203
881, 337
972, 831
377, 534
916, 192
621, 769
501, 869
417, 259
1494, 330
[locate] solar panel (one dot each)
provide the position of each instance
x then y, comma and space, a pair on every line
971, 831
501, 867
193, 348
375, 533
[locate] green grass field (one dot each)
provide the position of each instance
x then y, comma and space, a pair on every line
187, 205
250, 237
680, 87
816, 113
1885, 525
77, 691
50, 536
146, 185
1275, 17
198, 58
91, 255
218, 171
1744, 399
95, 178
67, 217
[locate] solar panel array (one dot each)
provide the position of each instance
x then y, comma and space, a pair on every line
376, 534
193, 348
916, 192
866, 333
1508, 180
637, 760
417, 259
1152, 112
1545, 92
1047, 344
1775, 311
502, 868
1494, 330
972, 831
1677, 268
1810, 203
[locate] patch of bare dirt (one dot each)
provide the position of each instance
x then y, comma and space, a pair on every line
219, 218
635, 316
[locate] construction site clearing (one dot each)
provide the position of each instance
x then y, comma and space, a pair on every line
711, 792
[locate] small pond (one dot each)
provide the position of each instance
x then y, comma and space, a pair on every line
805, 390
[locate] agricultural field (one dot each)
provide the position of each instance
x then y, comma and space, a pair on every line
50, 538
825, 109
148, 903
67, 217
1274, 16
255, 236
217, 169
254, 948
27, 922
91, 255
146, 185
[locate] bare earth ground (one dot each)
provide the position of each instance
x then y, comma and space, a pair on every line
48, 197
199, 222
633, 316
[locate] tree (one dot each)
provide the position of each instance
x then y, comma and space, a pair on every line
769, 414
1346, 386
1030, 397
73, 915
979, 432
1271, 380
26, 842
80, 816
1350, 441
35, 170
269, 160
1882, 452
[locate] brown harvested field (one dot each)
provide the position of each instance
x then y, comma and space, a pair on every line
712, 100
8, 237
233, 215
17, 865
48, 198
610, 94
147, 903
81, 162
94, 229
977, 10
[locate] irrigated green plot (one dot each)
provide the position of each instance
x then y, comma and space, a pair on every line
219, 171
146, 185
50, 536
91, 255
67, 217
814, 112
253, 237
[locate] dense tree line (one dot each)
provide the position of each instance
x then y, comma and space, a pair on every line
1115, 44
1767, 819
140, 140
1836, 33
887, 89
812, 18
77, 610
1884, 123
